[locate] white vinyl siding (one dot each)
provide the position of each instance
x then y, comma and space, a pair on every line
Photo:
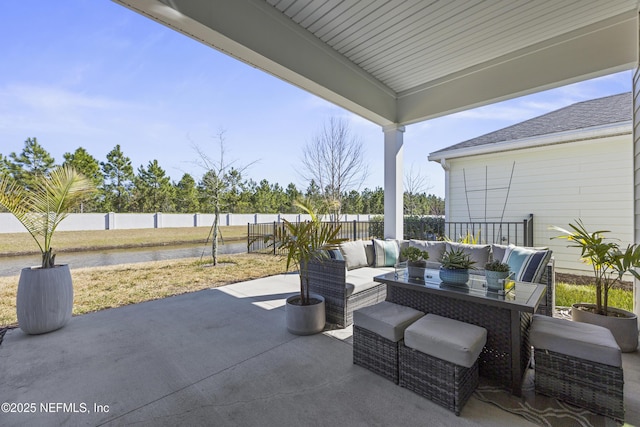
591, 180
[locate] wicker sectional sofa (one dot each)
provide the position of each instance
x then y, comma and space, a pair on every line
345, 280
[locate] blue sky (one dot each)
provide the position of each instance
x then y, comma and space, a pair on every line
94, 74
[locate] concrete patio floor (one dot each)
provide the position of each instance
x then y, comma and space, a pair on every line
217, 357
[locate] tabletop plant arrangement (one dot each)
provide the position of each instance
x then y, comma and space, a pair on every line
455, 265
609, 263
416, 261
496, 272
45, 293
303, 242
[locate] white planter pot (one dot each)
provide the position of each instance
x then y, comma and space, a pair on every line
624, 328
45, 299
305, 319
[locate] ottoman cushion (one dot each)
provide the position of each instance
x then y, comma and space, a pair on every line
582, 340
447, 339
386, 319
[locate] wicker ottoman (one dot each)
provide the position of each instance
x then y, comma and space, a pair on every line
377, 329
578, 363
439, 360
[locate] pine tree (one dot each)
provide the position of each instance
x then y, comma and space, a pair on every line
33, 162
292, 195
186, 195
88, 166
153, 190
118, 177
231, 198
4, 166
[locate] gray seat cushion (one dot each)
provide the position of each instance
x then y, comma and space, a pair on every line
498, 251
361, 279
577, 339
368, 249
447, 339
386, 319
480, 254
435, 249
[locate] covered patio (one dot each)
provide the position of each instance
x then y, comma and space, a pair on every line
220, 357
399, 62
223, 356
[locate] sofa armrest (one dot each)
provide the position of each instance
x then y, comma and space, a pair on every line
328, 278
548, 279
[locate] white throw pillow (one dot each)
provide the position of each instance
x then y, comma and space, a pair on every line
354, 254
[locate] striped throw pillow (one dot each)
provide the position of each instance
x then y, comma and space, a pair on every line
527, 264
386, 253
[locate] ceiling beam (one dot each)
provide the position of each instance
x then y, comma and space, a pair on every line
258, 34
600, 49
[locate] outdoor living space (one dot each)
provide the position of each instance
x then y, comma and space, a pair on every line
224, 357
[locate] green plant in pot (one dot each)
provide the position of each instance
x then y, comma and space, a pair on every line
496, 272
416, 261
609, 263
45, 293
304, 242
455, 265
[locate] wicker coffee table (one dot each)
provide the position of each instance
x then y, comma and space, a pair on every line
505, 317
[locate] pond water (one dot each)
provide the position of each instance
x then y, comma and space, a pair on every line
10, 266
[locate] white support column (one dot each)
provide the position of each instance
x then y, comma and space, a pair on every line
393, 188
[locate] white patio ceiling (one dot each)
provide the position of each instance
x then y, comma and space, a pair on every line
394, 61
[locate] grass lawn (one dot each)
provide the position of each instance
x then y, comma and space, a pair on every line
98, 288
64, 241
568, 294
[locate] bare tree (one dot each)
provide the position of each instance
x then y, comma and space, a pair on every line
415, 184
334, 161
215, 184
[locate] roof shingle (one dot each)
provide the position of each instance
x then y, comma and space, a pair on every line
586, 114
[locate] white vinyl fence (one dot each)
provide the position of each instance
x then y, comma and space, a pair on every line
125, 221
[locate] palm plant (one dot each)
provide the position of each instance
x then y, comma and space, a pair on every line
608, 261
41, 208
304, 242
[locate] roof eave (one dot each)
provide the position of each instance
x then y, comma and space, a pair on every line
596, 132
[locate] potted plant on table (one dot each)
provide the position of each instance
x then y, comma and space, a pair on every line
455, 265
45, 293
304, 242
609, 263
416, 261
496, 272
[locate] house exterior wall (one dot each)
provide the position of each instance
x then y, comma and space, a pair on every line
591, 180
